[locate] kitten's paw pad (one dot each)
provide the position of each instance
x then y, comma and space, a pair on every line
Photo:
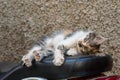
27, 61
37, 56
58, 61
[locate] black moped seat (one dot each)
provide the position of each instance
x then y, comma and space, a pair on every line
73, 67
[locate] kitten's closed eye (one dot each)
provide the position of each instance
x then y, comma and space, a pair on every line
80, 45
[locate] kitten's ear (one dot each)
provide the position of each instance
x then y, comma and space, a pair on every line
99, 39
90, 37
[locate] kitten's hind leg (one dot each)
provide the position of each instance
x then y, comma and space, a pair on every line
34, 53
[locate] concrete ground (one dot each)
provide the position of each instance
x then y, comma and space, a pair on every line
23, 22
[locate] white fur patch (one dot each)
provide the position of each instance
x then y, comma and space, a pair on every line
72, 52
77, 36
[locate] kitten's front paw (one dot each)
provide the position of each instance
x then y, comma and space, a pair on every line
58, 61
72, 52
27, 61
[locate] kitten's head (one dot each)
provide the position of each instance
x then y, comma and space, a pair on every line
91, 44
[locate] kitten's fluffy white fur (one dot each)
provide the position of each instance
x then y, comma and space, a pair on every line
56, 44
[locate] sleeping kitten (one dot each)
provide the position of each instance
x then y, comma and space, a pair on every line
64, 42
